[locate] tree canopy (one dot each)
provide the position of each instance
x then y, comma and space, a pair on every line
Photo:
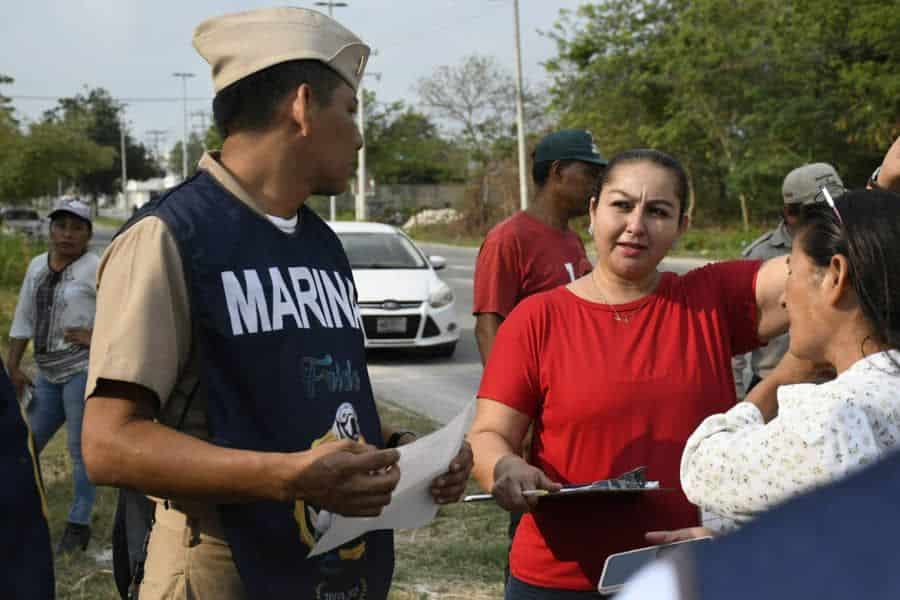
740, 92
405, 146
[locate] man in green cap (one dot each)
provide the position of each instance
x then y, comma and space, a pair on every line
534, 250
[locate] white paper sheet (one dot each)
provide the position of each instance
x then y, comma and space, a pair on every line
411, 503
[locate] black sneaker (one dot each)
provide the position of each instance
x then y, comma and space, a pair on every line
74, 537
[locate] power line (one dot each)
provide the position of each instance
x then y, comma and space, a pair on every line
159, 99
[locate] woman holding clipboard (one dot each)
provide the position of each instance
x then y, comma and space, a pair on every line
615, 371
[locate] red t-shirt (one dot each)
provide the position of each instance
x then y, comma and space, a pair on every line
608, 396
522, 256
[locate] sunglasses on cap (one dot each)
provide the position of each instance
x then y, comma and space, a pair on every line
873, 180
827, 194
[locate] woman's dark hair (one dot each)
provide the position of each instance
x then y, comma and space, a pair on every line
658, 158
250, 104
540, 171
868, 234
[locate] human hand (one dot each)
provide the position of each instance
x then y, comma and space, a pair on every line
78, 335
344, 477
889, 176
678, 535
19, 380
512, 476
450, 486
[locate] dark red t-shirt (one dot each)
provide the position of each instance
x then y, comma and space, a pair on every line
522, 256
608, 396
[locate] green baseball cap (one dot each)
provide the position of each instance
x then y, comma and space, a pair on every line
569, 144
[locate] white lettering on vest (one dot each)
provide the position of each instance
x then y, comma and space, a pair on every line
246, 308
338, 300
323, 302
282, 303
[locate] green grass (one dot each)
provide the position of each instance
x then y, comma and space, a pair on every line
16, 252
714, 243
110, 222
717, 242
80, 574
460, 555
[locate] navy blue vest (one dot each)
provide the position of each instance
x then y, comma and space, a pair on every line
26, 562
283, 369
836, 543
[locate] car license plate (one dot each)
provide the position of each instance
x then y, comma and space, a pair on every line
390, 325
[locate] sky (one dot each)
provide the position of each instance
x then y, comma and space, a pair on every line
132, 48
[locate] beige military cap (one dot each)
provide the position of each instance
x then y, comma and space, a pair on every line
240, 44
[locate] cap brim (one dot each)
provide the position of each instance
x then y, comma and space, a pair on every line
64, 211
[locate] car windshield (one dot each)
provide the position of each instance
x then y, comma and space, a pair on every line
381, 251
20, 214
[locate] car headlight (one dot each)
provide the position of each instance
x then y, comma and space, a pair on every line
440, 296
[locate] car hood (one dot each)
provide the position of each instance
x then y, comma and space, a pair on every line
376, 285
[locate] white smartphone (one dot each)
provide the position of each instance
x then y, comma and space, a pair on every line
619, 567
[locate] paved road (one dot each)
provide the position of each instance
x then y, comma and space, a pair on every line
440, 388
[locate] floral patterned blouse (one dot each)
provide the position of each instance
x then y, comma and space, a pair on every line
737, 466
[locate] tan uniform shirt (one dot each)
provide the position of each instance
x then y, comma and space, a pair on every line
142, 332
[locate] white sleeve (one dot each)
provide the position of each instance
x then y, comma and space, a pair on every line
23, 319
737, 466
658, 581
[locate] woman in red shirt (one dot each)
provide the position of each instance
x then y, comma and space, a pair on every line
614, 371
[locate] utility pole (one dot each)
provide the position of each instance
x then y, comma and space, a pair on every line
184, 138
203, 116
332, 201
361, 212
520, 115
123, 155
156, 135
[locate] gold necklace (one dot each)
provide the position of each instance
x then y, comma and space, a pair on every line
603, 297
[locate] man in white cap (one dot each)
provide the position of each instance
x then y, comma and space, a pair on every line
801, 186
228, 376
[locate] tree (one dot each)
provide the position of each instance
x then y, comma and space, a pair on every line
740, 92
101, 115
51, 151
195, 152
477, 100
405, 146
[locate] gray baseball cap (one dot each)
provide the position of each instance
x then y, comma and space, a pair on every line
72, 206
803, 183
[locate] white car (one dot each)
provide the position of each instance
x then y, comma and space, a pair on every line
403, 303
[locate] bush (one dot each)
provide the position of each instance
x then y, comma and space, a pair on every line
16, 252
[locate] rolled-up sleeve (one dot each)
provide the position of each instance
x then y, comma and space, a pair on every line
23, 319
142, 333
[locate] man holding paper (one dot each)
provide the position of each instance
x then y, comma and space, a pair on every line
227, 375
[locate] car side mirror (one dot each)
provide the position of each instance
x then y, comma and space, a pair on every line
437, 262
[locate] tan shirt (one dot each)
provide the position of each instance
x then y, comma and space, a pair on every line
142, 332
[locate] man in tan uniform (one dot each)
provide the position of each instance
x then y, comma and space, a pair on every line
168, 372
800, 187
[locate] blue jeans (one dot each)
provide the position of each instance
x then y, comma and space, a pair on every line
516, 589
52, 405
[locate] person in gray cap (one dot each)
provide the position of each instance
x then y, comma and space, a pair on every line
801, 186
56, 308
228, 377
